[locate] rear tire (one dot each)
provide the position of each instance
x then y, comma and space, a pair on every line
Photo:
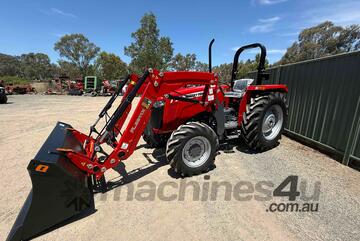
191, 149
264, 121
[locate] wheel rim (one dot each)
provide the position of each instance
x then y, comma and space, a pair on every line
272, 122
196, 151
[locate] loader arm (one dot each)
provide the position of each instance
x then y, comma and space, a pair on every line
132, 79
157, 84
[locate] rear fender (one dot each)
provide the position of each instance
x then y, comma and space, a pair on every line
255, 89
267, 88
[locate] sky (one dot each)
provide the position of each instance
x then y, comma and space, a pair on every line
34, 26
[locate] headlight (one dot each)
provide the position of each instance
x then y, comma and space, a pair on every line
159, 103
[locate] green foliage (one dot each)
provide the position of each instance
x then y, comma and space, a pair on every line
9, 65
187, 63
27, 66
322, 40
14, 80
78, 50
224, 70
202, 67
65, 68
110, 66
249, 66
149, 50
35, 66
183, 63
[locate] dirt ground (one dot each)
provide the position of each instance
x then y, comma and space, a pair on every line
27, 120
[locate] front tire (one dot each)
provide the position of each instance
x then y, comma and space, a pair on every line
264, 121
191, 149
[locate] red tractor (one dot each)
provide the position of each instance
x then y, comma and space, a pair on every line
75, 87
255, 113
108, 87
71, 164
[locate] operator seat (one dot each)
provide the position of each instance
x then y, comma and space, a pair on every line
239, 88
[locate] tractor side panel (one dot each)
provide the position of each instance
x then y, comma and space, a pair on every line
178, 112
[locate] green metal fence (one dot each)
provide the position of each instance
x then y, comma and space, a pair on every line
324, 103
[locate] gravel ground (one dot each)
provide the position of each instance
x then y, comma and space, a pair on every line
27, 121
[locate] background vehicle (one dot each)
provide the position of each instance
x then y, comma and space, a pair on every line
108, 87
3, 97
75, 87
92, 85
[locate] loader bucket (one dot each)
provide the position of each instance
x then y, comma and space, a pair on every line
59, 189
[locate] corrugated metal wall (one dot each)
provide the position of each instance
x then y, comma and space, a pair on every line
324, 102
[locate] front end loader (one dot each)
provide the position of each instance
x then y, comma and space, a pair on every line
70, 164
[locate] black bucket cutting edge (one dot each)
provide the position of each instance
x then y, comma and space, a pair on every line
60, 191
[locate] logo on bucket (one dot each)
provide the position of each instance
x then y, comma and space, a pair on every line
42, 168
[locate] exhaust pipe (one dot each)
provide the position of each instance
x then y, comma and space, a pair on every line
210, 55
60, 191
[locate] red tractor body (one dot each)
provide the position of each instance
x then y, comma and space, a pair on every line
169, 113
173, 113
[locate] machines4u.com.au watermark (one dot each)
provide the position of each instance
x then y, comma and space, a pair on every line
292, 194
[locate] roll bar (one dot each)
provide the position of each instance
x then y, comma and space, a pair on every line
261, 68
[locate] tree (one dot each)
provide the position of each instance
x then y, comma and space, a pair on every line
188, 62
149, 50
110, 66
78, 50
224, 72
9, 65
35, 66
200, 66
249, 66
323, 40
183, 63
68, 69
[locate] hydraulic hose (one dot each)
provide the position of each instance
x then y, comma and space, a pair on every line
120, 111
